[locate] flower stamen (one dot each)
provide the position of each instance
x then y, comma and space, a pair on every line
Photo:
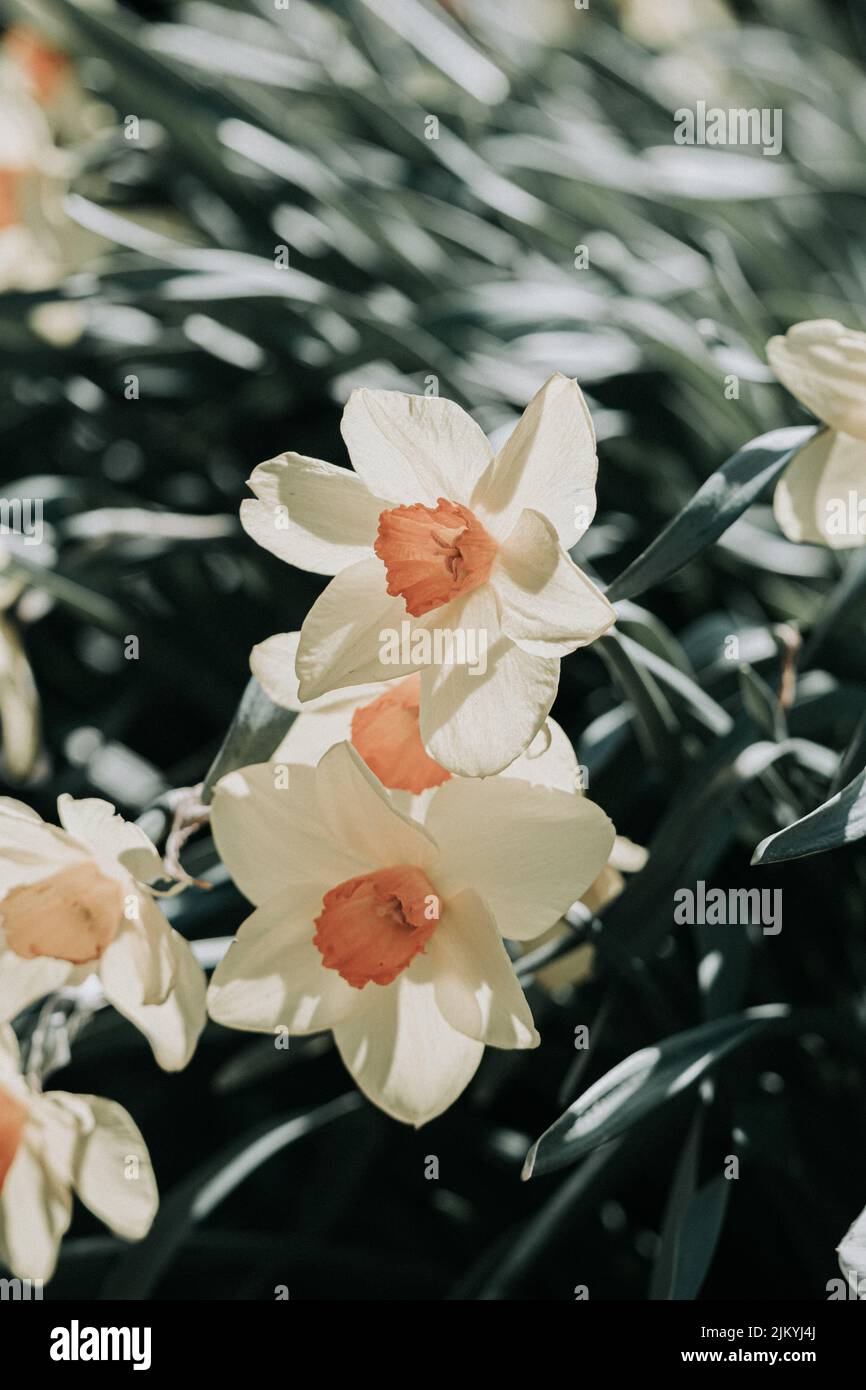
71, 915
373, 926
432, 555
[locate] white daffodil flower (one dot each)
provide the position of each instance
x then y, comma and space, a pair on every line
448, 561
41, 100
821, 497
381, 722
52, 1145
74, 902
387, 931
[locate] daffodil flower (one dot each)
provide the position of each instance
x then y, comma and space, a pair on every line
821, 497
389, 932
381, 723
52, 1145
74, 902
432, 537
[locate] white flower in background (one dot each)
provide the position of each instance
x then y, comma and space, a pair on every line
388, 932
47, 75
576, 966
74, 902
39, 243
52, 1145
432, 535
667, 23
821, 497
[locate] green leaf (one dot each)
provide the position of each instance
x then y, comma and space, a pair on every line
716, 505
679, 686
762, 704
194, 1199
682, 1191
641, 1083
656, 725
840, 821
702, 1226
255, 731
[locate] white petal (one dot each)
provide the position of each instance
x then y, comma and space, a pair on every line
628, 857
35, 1211
548, 463
823, 364
549, 761
476, 988
273, 976
139, 965
604, 889
345, 631
852, 1256
358, 813
529, 852
414, 448
313, 734
111, 1168
821, 496
9, 806
22, 981
569, 970
475, 723
272, 662
94, 823
30, 848
311, 514
10, 1054
270, 836
172, 1027
19, 704
403, 1054
549, 606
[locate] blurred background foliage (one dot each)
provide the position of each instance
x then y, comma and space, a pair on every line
230, 215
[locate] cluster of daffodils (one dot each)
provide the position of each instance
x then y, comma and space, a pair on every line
77, 902
423, 808
422, 811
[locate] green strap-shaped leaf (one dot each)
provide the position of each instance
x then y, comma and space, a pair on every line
716, 505
641, 1083
840, 821
193, 1200
255, 731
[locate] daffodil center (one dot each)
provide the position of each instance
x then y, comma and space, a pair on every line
387, 736
432, 554
72, 915
12, 1117
372, 927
